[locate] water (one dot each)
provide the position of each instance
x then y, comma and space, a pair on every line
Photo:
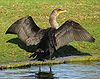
90, 70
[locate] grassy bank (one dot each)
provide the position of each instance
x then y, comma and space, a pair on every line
86, 12
73, 59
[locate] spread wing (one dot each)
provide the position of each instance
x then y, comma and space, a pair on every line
71, 31
26, 29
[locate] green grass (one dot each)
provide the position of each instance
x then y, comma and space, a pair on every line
86, 12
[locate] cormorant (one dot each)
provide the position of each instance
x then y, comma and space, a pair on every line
50, 39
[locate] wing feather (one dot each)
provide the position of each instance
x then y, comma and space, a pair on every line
71, 31
27, 30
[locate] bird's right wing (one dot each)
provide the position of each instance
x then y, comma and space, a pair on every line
26, 29
71, 31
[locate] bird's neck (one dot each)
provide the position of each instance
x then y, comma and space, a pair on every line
53, 22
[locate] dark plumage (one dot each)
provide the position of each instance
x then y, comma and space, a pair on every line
48, 40
71, 31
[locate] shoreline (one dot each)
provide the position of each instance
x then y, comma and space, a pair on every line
61, 60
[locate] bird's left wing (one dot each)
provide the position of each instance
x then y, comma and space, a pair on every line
71, 31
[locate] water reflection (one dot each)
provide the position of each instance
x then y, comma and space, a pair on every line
86, 70
43, 74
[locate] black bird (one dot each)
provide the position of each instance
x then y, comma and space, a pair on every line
50, 39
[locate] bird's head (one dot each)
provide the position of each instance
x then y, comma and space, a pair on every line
58, 11
53, 16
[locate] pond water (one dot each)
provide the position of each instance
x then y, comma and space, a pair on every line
89, 70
